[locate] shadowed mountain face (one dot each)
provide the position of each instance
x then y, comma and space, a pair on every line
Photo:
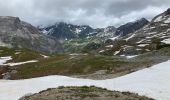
131, 27
16, 33
67, 31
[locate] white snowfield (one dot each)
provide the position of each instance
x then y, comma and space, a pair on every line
21, 63
3, 61
44, 56
152, 82
167, 41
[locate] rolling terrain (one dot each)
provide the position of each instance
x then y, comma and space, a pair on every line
118, 59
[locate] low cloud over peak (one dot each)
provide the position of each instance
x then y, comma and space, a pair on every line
96, 13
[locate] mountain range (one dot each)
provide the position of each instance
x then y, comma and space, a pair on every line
66, 31
131, 38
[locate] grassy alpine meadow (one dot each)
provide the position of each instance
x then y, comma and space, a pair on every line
69, 65
77, 64
19, 54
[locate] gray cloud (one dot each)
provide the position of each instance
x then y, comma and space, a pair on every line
97, 13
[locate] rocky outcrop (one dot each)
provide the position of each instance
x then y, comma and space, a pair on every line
83, 93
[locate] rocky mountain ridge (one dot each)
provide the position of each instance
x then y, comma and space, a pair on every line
15, 33
153, 36
66, 31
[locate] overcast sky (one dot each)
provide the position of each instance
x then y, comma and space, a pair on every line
96, 13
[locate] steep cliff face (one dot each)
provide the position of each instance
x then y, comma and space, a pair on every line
16, 33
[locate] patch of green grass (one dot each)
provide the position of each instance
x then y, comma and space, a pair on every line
19, 54
68, 65
81, 45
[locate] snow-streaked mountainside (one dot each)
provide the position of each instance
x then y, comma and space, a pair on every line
83, 38
132, 38
155, 85
16, 33
69, 31
138, 48
131, 27
158, 28
153, 36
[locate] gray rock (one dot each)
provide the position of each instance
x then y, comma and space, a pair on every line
7, 75
16, 33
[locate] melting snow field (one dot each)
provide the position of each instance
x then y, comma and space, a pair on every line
152, 82
167, 41
3, 61
21, 63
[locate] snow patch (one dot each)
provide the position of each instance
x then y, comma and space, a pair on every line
17, 53
101, 51
116, 52
109, 46
131, 56
141, 41
158, 19
142, 45
130, 37
44, 56
152, 33
45, 32
166, 41
3, 60
168, 30
167, 21
21, 63
114, 38
78, 30
152, 82
164, 24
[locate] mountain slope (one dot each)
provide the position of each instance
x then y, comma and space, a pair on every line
131, 27
63, 30
16, 33
155, 35
158, 28
151, 36
78, 38
66, 31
